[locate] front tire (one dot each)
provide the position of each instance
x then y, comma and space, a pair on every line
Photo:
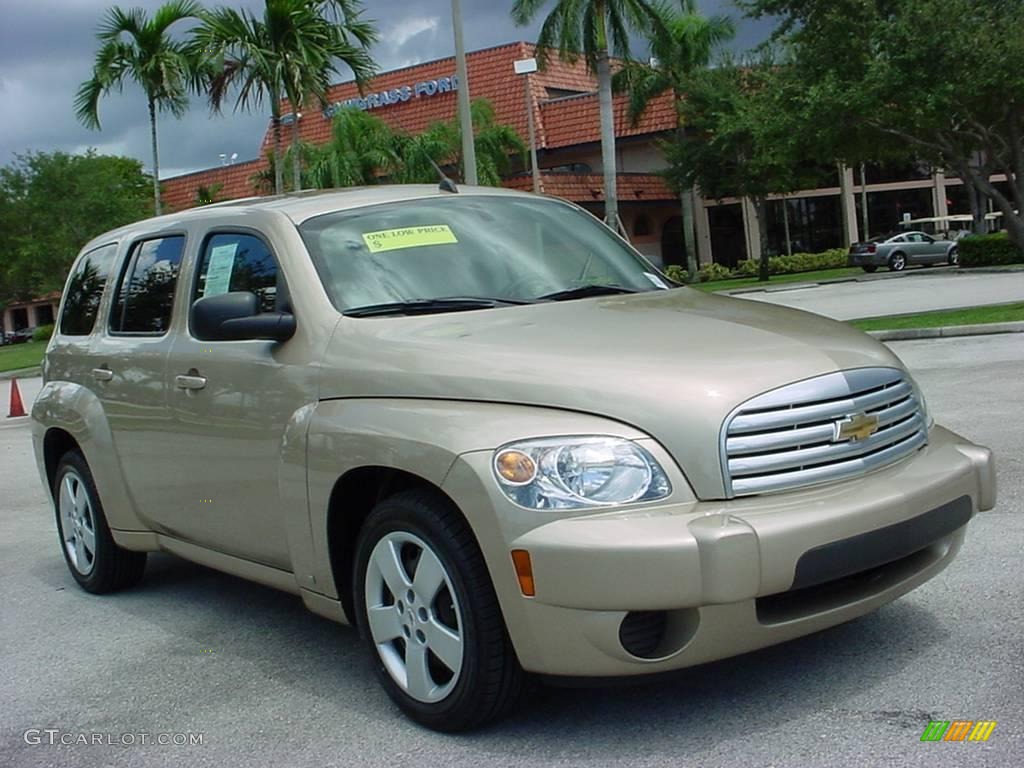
897, 262
96, 562
954, 256
426, 608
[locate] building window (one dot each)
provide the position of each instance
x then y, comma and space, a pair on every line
886, 173
887, 209
728, 241
814, 224
642, 226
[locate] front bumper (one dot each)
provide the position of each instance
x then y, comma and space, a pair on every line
718, 578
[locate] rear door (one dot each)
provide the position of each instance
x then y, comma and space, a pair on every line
231, 403
128, 359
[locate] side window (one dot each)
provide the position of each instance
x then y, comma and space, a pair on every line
145, 295
84, 291
237, 262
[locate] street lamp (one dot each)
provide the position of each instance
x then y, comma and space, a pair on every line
465, 116
525, 67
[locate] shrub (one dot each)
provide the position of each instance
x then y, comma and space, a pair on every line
675, 273
798, 262
989, 250
709, 272
42, 333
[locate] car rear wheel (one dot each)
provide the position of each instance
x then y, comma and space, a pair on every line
96, 562
897, 262
869, 268
954, 256
428, 613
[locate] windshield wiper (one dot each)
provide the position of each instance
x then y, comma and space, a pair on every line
584, 291
429, 306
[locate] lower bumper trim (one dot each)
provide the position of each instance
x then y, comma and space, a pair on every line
845, 557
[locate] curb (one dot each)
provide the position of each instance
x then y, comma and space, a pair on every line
22, 373
948, 331
868, 278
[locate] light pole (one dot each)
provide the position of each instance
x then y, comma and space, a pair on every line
465, 116
524, 67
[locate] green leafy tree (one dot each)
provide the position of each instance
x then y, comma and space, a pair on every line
682, 43
139, 48
292, 51
940, 79
596, 29
51, 204
736, 146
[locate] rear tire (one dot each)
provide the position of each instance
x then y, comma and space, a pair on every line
897, 262
96, 562
869, 268
437, 638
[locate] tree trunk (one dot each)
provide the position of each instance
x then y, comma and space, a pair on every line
296, 153
785, 225
975, 200
865, 234
156, 158
688, 202
762, 228
611, 194
275, 121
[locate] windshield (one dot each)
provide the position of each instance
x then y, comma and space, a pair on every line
507, 249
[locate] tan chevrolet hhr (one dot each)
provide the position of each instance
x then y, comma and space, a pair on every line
483, 429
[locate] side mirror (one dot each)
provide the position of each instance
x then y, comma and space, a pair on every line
236, 317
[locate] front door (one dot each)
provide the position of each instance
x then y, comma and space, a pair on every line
231, 403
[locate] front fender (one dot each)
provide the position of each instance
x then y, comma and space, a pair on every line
424, 438
79, 412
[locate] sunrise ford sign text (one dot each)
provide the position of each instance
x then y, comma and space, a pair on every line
396, 95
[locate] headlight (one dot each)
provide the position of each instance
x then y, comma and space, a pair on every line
929, 420
578, 472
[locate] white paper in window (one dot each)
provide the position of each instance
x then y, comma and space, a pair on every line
218, 272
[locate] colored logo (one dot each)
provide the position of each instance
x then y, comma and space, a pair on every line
958, 730
857, 426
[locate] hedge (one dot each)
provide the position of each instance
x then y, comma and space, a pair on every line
834, 258
42, 333
989, 251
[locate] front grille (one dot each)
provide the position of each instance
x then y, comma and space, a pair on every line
787, 438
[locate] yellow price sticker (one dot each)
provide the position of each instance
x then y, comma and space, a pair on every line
409, 237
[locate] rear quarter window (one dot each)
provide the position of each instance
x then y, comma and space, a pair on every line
84, 291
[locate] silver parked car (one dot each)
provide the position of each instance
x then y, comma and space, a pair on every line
897, 251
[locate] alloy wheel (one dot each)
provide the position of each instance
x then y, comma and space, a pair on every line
78, 524
414, 616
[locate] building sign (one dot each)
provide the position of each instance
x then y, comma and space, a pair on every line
404, 93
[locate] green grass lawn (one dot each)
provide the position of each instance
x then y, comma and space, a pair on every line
15, 356
1001, 313
800, 277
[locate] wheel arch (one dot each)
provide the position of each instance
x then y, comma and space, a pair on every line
352, 499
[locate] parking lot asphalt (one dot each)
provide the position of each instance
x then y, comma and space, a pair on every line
922, 292
267, 683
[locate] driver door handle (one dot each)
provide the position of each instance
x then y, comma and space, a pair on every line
102, 374
190, 382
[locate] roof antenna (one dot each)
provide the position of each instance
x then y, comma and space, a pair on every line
446, 185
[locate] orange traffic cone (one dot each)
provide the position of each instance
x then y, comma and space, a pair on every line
17, 407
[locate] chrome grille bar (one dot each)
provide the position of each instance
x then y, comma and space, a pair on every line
787, 438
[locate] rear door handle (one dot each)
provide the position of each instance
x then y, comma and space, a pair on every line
102, 374
190, 382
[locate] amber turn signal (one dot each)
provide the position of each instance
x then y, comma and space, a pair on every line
524, 571
515, 467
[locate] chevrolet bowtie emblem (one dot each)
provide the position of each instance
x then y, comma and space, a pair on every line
857, 426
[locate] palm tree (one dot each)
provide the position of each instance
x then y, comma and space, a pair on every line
496, 144
595, 28
135, 47
292, 51
361, 150
682, 43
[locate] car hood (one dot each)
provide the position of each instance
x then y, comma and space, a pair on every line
673, 364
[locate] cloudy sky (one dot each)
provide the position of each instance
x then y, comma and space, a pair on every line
47, 46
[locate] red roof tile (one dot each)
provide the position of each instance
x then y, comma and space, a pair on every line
235, 182
576, 119
589, 187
